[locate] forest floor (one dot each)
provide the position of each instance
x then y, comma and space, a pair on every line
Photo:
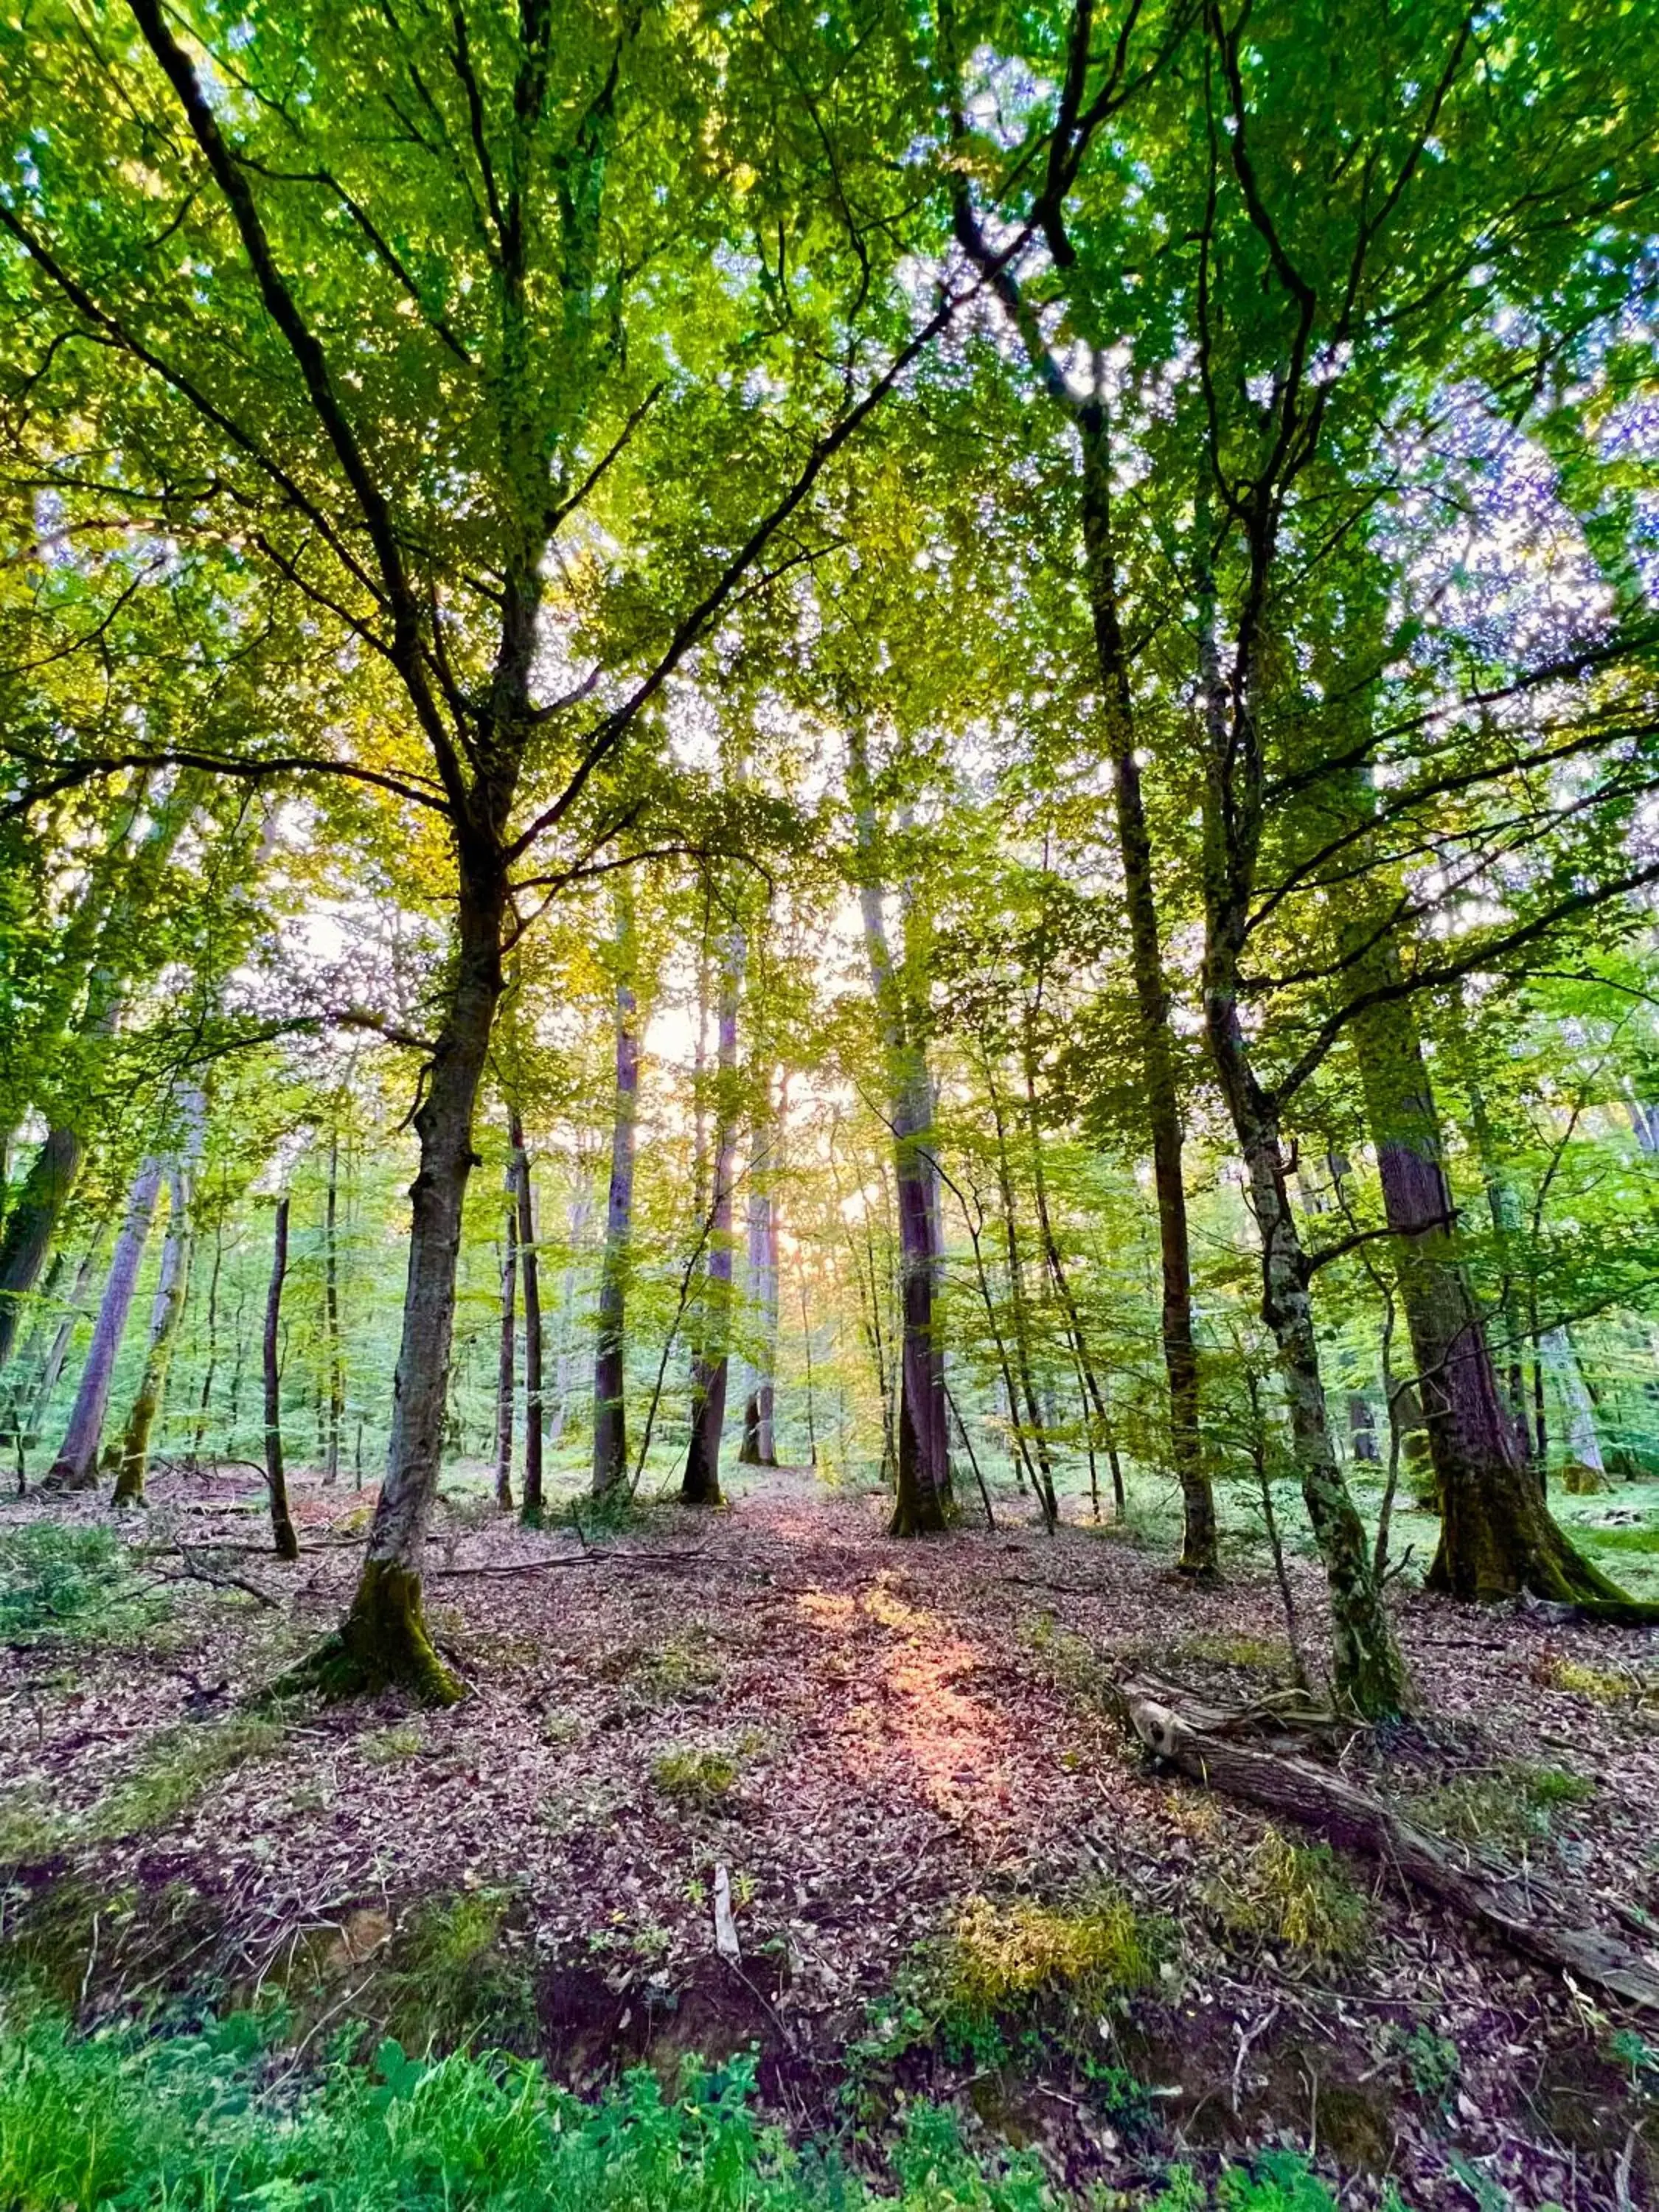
950, 1875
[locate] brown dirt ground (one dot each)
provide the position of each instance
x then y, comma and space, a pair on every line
909, 1726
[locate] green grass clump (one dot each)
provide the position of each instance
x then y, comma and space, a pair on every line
1507, 1806
186, 2124
1295, 1894
1619, 1540
176, 1767
70, 1585
694, 1778
31, 1827
1000, 1956
1273, 2181
454, 1977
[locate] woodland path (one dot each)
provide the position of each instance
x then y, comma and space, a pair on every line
864, 1734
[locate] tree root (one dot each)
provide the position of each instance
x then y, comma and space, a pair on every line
1535, 1919
382, 1644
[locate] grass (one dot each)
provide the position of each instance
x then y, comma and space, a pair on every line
1506, 1806
177, 1765
999, 1956
1293, 1894
197, 2123
68, 1585
694, 1778
455, 1978
206, 2122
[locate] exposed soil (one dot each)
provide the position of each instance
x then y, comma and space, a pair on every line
864, 1734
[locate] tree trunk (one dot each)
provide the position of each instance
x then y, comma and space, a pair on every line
506, 1356
211, 1360
1046, 1499
1200, 1556
759, 1447
1586, 1469
77, 1464
331, 1314
1370, 1675
282, 1527
702, 1482
33, 1221
1497, 1535
165, 1315
384, 1636
922, 1497
611, 1345
534, 1499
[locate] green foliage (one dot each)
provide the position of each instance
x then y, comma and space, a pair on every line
455, 1976
1296, 1894
1273, 2181
119, 2124
71, 1585
1433, 2061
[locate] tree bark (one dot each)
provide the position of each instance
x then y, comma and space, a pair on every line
610, 1345
712, 1362
384, 1637
759, 1446
77, 1464
1498, 1536
506, 1356
1370, 1675
534, 1498
282, 1526
165, 1315
922, 1502
1039, 1433
1586, 1469
1200, 1555
331, 1313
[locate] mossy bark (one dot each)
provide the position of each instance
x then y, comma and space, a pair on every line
1498, 1536
383, 1643
165, 1315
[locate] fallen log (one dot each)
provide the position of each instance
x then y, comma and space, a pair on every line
1535, 1919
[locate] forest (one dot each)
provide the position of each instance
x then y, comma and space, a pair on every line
828, 1105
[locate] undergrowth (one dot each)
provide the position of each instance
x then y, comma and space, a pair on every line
67, 1585
176, 1767
1506, 1806
217, 2120
1293, 1894
208, 2122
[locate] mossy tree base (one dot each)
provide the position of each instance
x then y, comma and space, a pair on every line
382, 1644
918, 1512
1499, 1540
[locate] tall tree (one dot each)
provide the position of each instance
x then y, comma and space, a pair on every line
610, 1340
76, 1467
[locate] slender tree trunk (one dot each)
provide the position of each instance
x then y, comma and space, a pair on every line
1018, 1306
922, 1498
610, 1347
77, 1464
1370, 1675
702, 1483
165, 1315
331, 1314
534, 1496
1200, 1556
31, 1223
204, 1403
282, 1526
1586, 1468
759, 1448
506, 1357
